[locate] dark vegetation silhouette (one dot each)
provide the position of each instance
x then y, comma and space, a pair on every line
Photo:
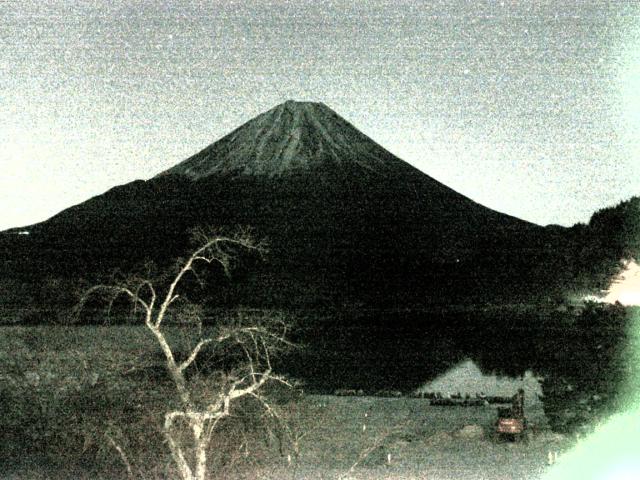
612, 234
581, 356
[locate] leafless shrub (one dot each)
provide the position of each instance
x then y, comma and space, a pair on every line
237, 352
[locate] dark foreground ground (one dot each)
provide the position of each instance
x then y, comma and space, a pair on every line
405, 438
389, 438
63, 388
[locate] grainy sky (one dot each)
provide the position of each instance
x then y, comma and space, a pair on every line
529, 107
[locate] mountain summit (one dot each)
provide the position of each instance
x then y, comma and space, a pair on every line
293, 136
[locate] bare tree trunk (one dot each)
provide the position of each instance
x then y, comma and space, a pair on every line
176, 450
202, 442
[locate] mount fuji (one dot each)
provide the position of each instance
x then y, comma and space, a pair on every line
348, 223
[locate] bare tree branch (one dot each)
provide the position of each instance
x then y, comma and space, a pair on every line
122, 454
194, 353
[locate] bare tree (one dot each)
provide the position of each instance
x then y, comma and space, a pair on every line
200, 409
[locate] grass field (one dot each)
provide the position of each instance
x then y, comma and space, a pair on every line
390, 438
65, 391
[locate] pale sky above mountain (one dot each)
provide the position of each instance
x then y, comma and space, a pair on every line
528, 107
